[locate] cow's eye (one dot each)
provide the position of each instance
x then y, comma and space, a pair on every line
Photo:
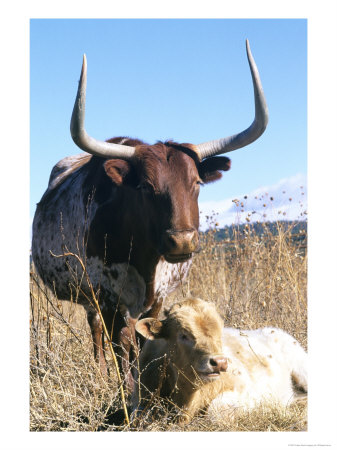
145, 187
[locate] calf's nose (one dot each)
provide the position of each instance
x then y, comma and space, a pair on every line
219, 363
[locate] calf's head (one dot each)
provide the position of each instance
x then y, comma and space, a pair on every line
193, 331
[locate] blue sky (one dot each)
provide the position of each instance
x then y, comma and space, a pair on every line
187, 80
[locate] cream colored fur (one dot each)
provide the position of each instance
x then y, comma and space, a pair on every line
264, 365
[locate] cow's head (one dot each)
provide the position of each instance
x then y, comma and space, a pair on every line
166, 179
169, 175
193, 332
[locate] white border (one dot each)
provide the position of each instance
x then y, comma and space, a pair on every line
14, 112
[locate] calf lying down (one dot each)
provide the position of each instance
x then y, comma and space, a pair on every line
194, 362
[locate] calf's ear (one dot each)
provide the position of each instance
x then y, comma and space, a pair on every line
209, 169
150, 328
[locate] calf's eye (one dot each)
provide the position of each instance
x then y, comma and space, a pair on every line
185, 338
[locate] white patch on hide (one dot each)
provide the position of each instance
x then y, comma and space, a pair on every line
169, 276
263, 367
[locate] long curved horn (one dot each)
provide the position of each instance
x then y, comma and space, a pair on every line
252, 133
80, 136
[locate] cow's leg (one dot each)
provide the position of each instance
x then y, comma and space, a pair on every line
126, 352
122, 333
155, 308
97, 337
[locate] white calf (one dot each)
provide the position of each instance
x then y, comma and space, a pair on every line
268, 365
194, 362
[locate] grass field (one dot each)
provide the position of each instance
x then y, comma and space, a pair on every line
255, 280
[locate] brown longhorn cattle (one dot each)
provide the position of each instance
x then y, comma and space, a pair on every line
195, 363
130, 211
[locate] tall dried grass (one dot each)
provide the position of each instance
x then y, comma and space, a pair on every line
255, 280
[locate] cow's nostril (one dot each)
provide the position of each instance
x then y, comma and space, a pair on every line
171, 240
179, 242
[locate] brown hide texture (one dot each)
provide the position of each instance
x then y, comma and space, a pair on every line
142, 214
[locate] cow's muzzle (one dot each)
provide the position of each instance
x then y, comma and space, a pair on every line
180, 244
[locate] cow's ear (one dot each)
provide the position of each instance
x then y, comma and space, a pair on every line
150, 328
119, 171
209, 169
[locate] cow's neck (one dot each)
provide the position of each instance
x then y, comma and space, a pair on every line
133, 248
133, 245
120, 231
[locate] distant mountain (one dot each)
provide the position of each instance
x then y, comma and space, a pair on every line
298, 229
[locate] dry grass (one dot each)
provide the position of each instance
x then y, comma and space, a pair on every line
254, 281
